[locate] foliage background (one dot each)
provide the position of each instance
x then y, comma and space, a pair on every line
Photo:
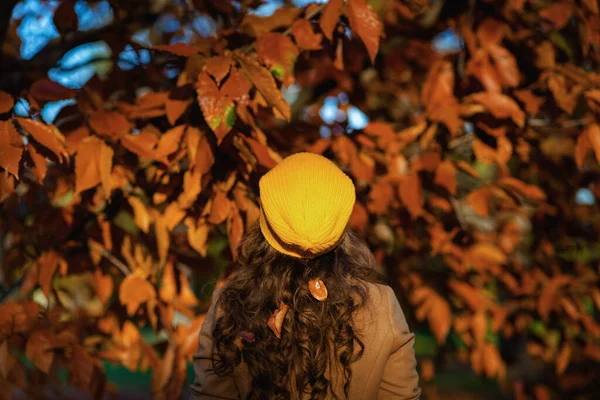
133, 135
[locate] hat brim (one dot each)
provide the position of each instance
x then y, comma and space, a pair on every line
286, 248
277, 243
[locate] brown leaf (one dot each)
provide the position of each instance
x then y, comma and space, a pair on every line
278, 53
317, 289
218, 110
47, 90
143, 144
531, 191
39, 350
330, 17
264, 83
237, 87
549, 295
566, 100
583, 146
47, 135
170, 141
365, 22
48, 263
411, 194
6, 102
7, 185
40, 166
445, 176
500, 106
380, 198
261, 152
134, 291
439, 85
563, 358
276, 319
490, 32
558, 13
11, 148
305, 36
471, 296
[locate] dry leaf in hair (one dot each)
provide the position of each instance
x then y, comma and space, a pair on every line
247, 336
318, 289
276, 319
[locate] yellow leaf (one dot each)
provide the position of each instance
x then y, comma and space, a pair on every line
134, 291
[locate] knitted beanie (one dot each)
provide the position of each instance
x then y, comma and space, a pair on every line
306, 201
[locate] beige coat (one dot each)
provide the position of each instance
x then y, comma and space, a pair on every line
387, 369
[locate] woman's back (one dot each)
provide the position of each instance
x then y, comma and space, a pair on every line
386, 370
303, 316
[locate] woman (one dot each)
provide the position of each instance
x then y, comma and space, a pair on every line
303, 317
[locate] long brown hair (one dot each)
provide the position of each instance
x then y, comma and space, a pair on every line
316, 336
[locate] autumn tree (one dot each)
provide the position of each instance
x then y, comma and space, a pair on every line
469, 128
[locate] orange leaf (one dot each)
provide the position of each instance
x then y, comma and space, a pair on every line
411, 194
197, 236
105, 166
380, 198
192, 185
218, 67
141, 215
170, 141
563, 358
134, 291
279, 54
500, 106
479, 201
162, 237
506, 65
593, 133
221, 207
330, 17
87, 164
365, 22
445, 176
531, 191
11, 148
178, 101
261, 152
276, 319
264, 83
237, 87
109, 123
235, 230
103, 285
6, 102
532, 102
168, 286
305, 36
186, 295
46, 135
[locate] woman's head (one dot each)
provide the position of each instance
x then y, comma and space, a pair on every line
276, 260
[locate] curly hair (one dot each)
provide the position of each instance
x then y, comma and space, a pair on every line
316, 337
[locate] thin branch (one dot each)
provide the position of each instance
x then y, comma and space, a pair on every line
316, 11
108, 255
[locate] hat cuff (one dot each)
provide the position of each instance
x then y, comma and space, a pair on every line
286, 248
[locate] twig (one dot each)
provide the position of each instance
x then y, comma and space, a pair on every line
114, 260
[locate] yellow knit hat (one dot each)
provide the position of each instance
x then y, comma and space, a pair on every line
306, 203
